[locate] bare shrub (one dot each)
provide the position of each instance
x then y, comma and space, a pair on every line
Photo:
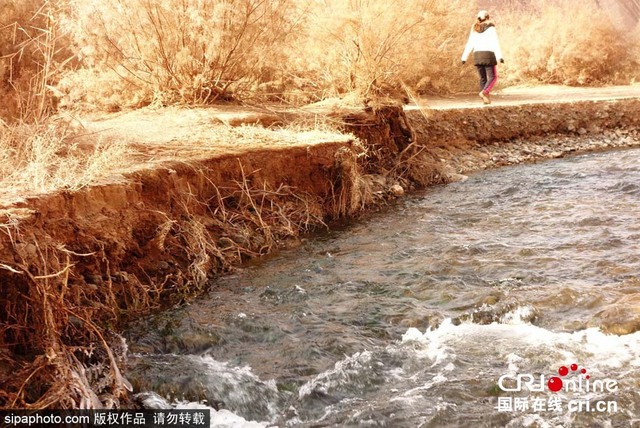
169, 51
557, 42
370, 47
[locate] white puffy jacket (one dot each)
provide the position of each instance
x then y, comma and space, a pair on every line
486, 41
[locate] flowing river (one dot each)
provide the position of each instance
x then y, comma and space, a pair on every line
465, 306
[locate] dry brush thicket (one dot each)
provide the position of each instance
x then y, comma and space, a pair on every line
33, 56
113, 54
555, 41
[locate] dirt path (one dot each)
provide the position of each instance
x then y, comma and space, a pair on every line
192, 129
531, 95
153, 137
188, 128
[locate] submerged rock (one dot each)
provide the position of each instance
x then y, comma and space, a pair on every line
397, 190
621, 317
202, 379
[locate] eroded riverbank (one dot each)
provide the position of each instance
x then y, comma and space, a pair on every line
74, 263
410, 317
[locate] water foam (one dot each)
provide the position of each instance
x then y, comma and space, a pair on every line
520, 315
223, 418
523, 345
219, 418
239, 387
343, 372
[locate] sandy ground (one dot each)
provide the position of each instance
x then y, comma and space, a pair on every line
184, 127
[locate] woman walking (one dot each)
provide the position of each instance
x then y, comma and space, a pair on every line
483, 42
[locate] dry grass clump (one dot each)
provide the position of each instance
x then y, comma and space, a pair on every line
235, 224
292, 134
44, 158
560, 42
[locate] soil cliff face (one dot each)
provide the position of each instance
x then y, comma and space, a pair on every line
73, 265
74, 262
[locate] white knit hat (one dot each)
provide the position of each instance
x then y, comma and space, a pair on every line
482, 15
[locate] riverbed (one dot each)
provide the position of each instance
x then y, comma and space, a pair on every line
428, 313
